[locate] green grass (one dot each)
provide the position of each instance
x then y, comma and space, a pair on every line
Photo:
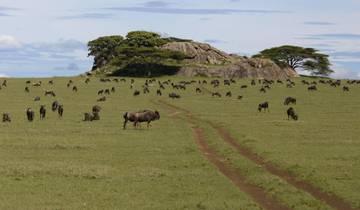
70, 164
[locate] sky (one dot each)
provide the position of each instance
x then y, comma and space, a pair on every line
42, 38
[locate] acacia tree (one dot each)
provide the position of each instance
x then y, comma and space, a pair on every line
295, 57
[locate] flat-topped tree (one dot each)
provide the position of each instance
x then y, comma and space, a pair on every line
295, 57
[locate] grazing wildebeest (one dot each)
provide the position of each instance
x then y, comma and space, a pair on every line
289, 100
96, 108
50, 92
312, 88
113, 89
51, 82
291, 113
55, 106
30, 114
136, 93
28, 82
346, 89
4, 84
228, 94
227, 82
37, 84
262, 90
158, 92
198, 90
75, 89
142, 116
100, 92
243, 86
95, 116
107, 92
37, 98
146, 90
264, 106
42, 112
27, 89
102, 99
174, 95
216, 94
88, 116
61, 110
6, 117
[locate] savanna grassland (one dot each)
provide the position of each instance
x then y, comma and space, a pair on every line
65, 163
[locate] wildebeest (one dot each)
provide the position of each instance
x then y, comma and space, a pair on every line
6, 117
37, 98
51, 82
216, 94
264, 106
61, 110
100, 92
95, 116
253, 82
291, 113
198, 90
174, 95
346, 89
42, 112
88, 116
142, 116
113, 89
4, 84
312, 88
289, 100
136, 93
158, 92
87, 80
240, 97
50, 92
30, 114
107, 91
228, 94
74, 89
243, 86
102, 99
27, 89
55, 106
96, 108
262, 90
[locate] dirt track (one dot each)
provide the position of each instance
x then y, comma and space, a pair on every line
255, 192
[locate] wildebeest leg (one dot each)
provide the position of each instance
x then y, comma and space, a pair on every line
125, 124
148, 124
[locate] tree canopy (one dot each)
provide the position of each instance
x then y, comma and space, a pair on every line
295, 57
139, 54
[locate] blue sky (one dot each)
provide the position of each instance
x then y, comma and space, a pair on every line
48, 37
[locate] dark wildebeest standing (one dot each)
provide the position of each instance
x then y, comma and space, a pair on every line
291, 113
198, 90
37, 98
346, 89
27, 89
6, 117
75, 89
30, 114
96, 108
174, 95
312, 88
61, 110
228, 94
50, 92
88, 116
102, 99
55, 106
264, 106
289, 100
42, 112
136, 93
142, 116
158, 92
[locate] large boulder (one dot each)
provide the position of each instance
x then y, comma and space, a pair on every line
205, 60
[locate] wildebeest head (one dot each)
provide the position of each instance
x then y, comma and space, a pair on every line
157, 115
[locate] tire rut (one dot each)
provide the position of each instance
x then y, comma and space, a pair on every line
258, 194
330, 199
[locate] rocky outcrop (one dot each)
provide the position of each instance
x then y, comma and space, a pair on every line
200, 53
205, 60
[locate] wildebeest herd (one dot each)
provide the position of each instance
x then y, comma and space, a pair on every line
174, 89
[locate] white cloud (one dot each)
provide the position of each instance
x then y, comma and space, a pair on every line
9, 42
3, 75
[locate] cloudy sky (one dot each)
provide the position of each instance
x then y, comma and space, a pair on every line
48, 37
